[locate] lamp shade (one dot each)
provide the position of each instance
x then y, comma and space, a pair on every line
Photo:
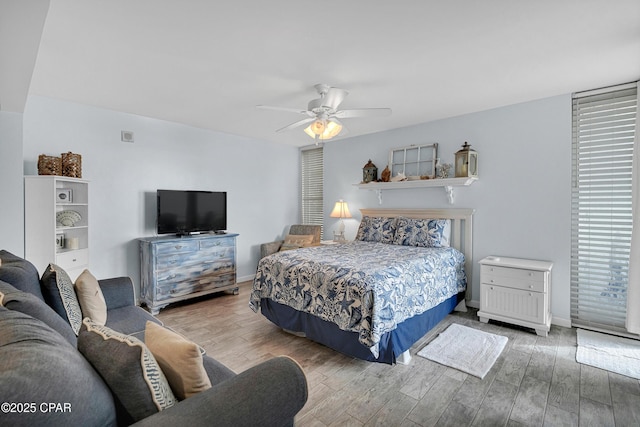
323, 129
340, 210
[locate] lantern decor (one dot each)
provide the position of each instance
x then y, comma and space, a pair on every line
466, 163
369, 172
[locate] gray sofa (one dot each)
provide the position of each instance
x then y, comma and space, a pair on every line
46, 380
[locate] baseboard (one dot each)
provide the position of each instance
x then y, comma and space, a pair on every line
558, 321
245, 278
473, 304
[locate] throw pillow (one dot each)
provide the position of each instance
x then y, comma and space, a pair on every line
296, 241
180, 360
90, 298
427, 233
128, 368
57, 289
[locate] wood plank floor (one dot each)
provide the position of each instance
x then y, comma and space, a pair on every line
535, 382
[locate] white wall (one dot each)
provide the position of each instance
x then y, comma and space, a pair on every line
261, 178
11, 183
522, 199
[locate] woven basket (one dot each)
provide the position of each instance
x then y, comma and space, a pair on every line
72, 165
49, 165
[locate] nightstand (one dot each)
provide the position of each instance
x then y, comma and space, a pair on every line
516, 291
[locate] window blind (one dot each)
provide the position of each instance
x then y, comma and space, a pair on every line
601, 210
312, 186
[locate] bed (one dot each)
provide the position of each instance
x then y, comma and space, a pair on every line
372, 298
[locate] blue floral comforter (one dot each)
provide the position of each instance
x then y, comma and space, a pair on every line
363, 287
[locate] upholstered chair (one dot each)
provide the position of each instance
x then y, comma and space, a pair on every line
296, 230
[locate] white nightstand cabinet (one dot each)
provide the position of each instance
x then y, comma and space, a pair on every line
516, 291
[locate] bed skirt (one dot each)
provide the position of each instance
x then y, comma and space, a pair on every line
392, 344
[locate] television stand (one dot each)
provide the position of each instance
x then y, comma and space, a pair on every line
176, 268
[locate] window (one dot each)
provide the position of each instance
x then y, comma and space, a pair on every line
312, 186
414, 160
601, 210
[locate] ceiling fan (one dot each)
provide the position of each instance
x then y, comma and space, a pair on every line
322, 114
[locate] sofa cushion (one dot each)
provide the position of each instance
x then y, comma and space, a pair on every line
128, 367
58, 292
130, 320
27, 303
90, 297
20, 273
179, 359
40, 366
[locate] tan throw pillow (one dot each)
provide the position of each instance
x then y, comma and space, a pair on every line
90, 297
179, 359
296, 241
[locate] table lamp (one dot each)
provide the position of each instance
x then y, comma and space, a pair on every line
340, 210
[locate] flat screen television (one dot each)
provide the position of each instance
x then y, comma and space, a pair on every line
186, 212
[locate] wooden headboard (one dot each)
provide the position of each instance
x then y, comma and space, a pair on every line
461, 230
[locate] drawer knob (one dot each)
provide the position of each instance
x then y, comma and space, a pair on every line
74, 260
492, 281
530, 286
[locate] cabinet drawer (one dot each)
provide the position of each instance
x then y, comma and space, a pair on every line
171, 248
73, 259
514, 278
215, 243
168, 289
193, 261
515, 303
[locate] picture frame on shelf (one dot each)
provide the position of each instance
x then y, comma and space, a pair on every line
64, 195
59, 240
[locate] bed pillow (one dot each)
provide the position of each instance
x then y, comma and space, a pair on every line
180, 360
296, 241
58, 292
376, 229
90, 297
426, 233
128, 368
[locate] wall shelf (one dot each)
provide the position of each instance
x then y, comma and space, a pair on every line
447, 183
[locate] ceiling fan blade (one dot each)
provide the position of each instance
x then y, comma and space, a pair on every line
290, 110
334, 97
362, 112
296, 124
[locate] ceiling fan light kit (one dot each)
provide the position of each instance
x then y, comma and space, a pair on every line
323, 114
323, 129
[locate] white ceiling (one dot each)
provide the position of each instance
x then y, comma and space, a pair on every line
209, 63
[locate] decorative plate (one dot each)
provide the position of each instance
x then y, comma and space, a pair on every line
68, 218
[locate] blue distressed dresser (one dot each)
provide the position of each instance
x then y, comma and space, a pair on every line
177, 268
